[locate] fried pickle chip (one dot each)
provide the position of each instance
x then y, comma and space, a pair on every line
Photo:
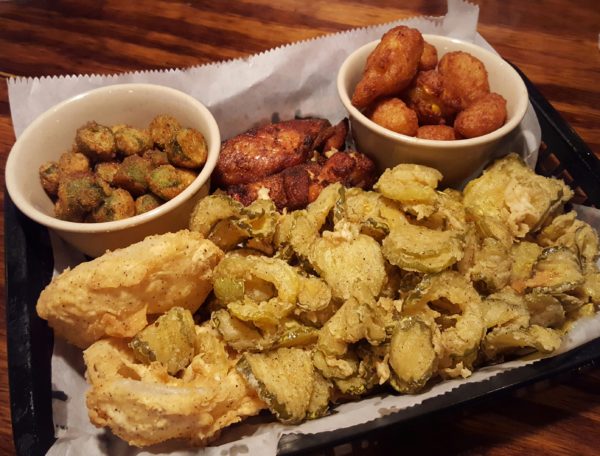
411, 184
481, 117
113, 294
390, 67
513, 195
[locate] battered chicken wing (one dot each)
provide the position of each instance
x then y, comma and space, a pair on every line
112, 295
300, 185
263, 151
144, 405
390, 67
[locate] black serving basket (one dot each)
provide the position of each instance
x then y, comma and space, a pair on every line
29, 264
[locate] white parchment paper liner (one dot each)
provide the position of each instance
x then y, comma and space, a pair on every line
297, 79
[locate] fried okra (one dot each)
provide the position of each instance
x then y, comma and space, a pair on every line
163, 129
117, 206
167, 182
78, 194
394, 115
156, 157
96, 141
146, 203
132, 175
188, 149
106, 171
49, 177
73, 163
132, 141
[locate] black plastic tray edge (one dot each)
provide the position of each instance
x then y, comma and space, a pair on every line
28, 268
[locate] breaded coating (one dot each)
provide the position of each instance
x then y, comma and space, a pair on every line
465, 79
167, 182
295, 187
72, 163
188, 149
96, 141
79, 194
482, 117
333, 137
117, 206
113, 294
393, 114
429, 58
132, 141
266, 150
49, 177
106, 171
390, 67
146, 203
425, 97
132, 175
156, 157
144, 405
437, 132
163, 129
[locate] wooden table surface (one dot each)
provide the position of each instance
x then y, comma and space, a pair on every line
554, 42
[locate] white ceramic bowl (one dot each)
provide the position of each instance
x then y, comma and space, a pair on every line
53, 133
457, 160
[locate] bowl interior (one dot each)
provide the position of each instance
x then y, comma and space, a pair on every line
53, 133
502, 77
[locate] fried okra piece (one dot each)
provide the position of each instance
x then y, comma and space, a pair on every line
429, 57
465, 79
96, 141
156, 157
163, 129
132, 175
390, 67
425, 98
437, 132
117, 206
73, 163
146, 203
167, 182
106, 171
49, 177
132, 141
482, 117
78, 194
188, 149
187, 176
393, 114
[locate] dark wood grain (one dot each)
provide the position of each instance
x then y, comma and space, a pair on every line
555, 42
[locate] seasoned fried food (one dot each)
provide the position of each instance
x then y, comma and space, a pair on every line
146, 202
106, 171
297, 186
118, 205
429, 57
266, 150
96, 141
163, 129
156, 157
483, 116
465, 79
78, 194
73, 163
437, 132
113, 294
50, 177
144, 405
132, 141
167, 182
390, 67
393, 114
132, 175
425, 97
187, 149
333, 138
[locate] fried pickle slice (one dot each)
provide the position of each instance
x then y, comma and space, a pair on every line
113, 294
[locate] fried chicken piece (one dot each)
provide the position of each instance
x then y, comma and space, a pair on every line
333, 137
144, 405
390, 67
113, 294
296, 187
266, 150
